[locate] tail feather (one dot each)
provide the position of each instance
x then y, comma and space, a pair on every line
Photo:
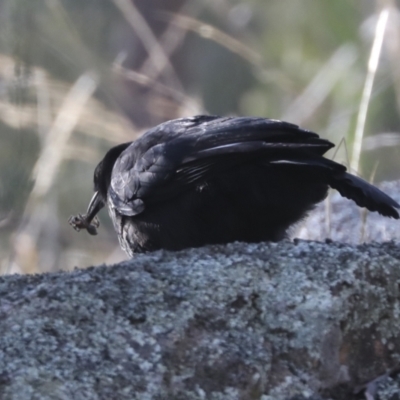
365, 194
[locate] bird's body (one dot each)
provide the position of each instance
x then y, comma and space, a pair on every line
206, 179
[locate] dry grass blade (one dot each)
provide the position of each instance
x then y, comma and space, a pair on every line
385, 139
145, 80
328, 204
56, 139
320, 87
209, 32
367, 91
160, 60
46, 169
341, 143
64, 38
392, 42
43, 103
328, 214
170, 40
364, 211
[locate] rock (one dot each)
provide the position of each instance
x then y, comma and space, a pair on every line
302, 320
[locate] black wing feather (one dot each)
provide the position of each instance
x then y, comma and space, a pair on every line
178, 154
183, 152
364, 194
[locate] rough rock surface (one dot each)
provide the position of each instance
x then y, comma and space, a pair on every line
302, 320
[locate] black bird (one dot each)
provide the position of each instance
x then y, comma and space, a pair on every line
207, 179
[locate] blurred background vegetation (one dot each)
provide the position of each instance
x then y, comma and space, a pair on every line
79, 76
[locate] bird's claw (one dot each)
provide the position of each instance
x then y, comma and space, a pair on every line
80, 221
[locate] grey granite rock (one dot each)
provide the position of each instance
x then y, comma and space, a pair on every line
301, 320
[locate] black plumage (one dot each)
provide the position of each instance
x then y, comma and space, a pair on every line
206, 179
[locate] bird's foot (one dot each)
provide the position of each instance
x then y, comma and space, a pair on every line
80, 221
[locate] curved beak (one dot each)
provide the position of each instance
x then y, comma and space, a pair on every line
95, 205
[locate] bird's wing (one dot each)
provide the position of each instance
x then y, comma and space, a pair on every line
187, 151
364, 194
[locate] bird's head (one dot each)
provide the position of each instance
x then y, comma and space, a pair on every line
102, 179
103, 171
